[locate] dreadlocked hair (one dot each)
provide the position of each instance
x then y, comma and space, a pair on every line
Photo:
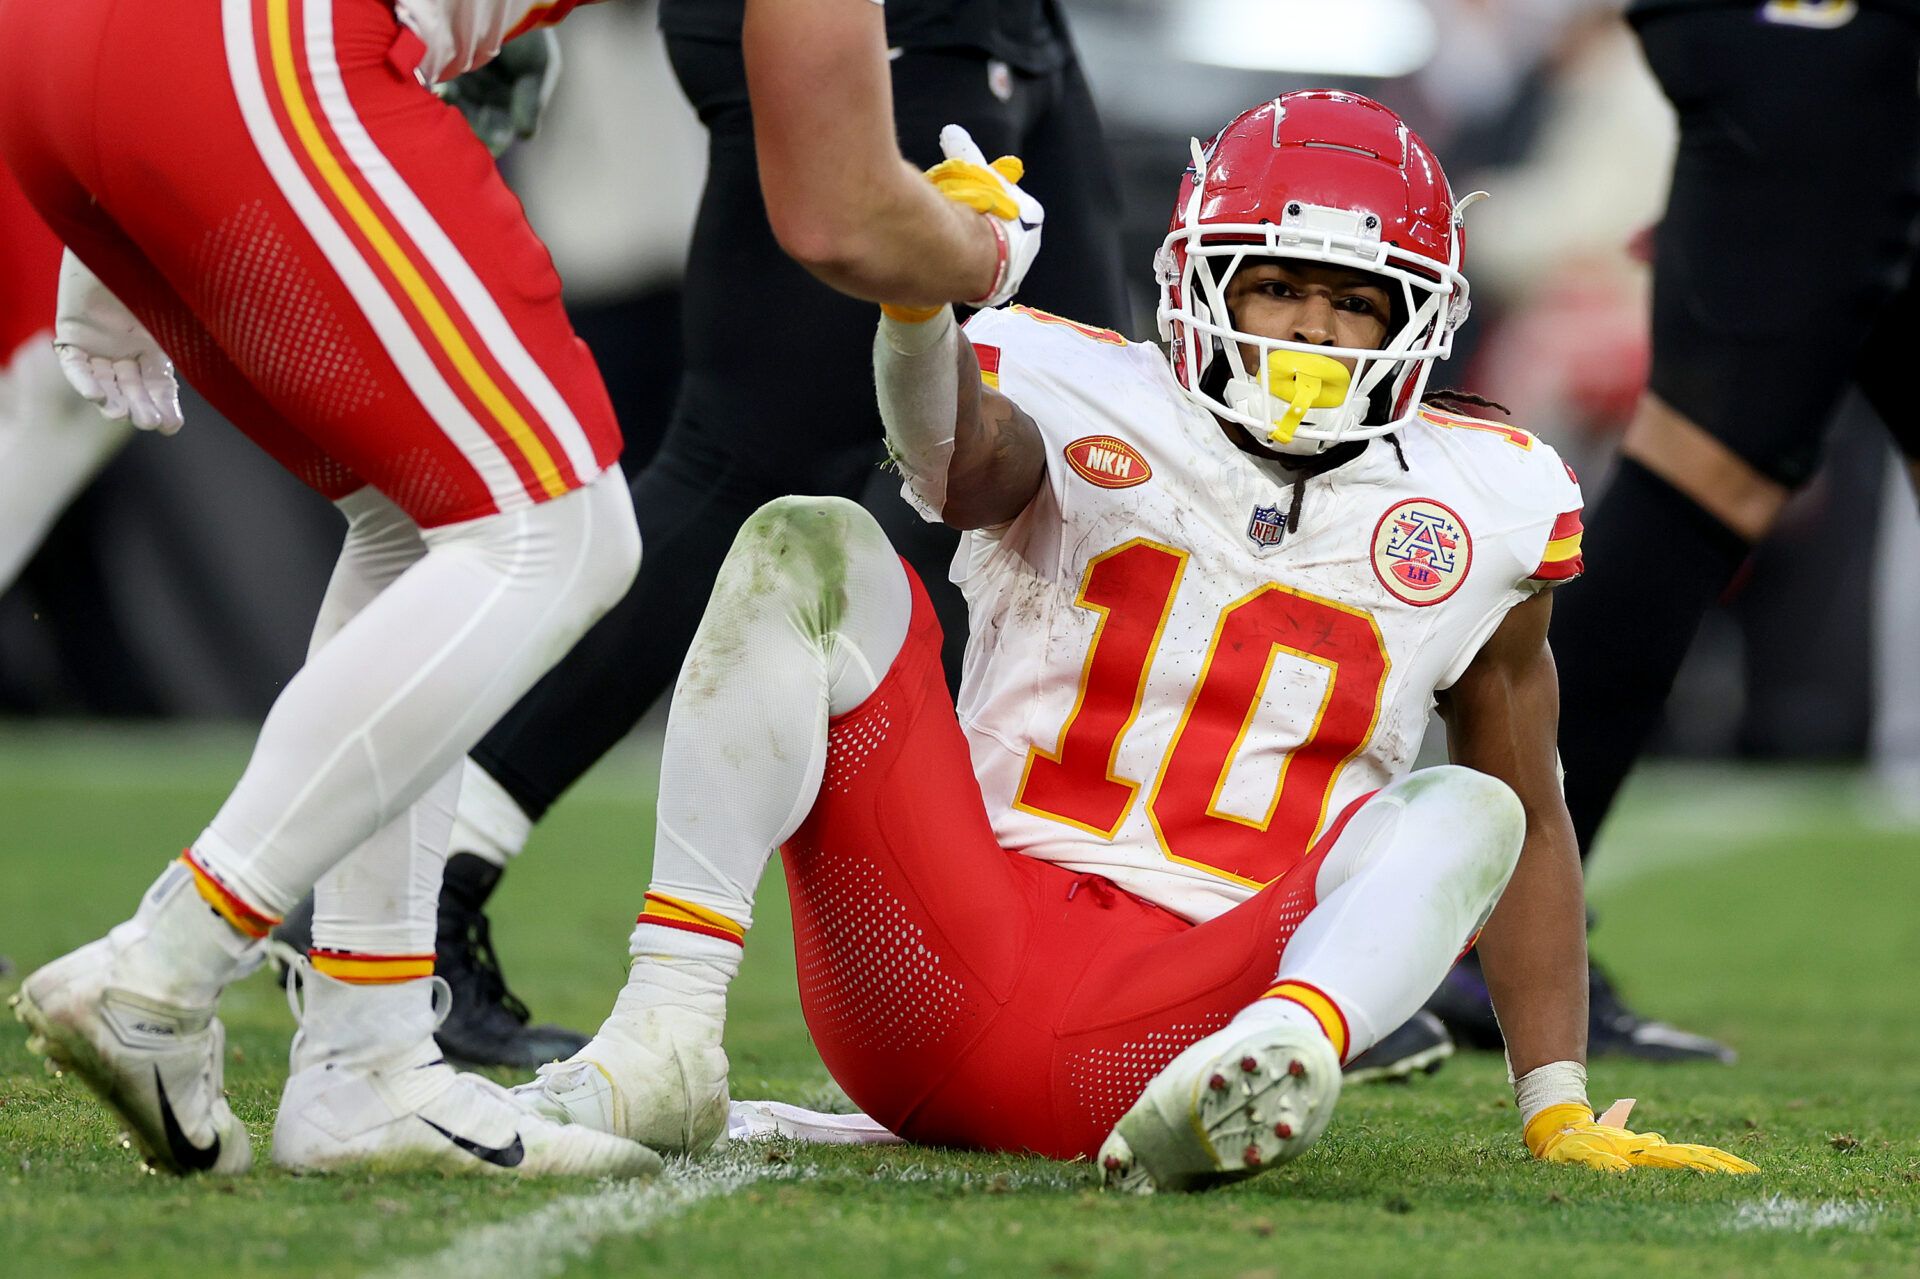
1453, 401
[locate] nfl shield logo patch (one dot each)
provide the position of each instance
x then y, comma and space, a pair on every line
1266, 525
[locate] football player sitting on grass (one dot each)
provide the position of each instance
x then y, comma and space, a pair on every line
1164, 867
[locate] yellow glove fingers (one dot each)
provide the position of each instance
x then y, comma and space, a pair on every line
1698, 1158
979, 189
1009, 167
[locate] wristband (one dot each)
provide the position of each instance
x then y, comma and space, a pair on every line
1557, 1083
1000, 261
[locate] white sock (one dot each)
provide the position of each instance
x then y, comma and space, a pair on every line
356, 1027
673, 966
488, 823
178, 948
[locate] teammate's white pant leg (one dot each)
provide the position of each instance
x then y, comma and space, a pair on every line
809, 611
1408, 884
390, 704
380, 900
52, 443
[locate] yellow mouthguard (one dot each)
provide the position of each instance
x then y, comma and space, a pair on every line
1305, 382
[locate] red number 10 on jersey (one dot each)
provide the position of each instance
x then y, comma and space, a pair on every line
1132, 588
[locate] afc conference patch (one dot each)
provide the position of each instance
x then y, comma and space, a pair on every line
1266, 526
1421, 551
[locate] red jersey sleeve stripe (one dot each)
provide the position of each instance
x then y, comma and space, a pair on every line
1560, 570
1566, 526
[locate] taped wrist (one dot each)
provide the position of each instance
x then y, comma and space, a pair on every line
919, 387
1558, 1083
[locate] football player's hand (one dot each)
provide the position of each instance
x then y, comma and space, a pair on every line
504, 99
109, 357
1569, 1134
993, 189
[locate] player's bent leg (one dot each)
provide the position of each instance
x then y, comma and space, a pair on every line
1404, 887
807, 615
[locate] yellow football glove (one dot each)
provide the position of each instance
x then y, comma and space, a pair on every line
965, 182
1569, 1134
966, 178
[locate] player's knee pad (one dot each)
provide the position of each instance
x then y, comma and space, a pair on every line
808, 549
578, 552
1473, 821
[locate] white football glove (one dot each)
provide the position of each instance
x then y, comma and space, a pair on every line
993, 189
109, 357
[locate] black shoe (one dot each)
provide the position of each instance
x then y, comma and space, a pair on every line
1463, 1004
1420, 1044
1615, 1030
487, 1024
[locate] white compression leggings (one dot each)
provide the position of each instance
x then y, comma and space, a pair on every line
424, 639
1407, 885
52, 443
810, 609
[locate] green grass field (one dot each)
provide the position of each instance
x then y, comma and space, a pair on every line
1758, 906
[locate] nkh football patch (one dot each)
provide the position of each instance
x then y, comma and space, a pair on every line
1421, 551
1108, 462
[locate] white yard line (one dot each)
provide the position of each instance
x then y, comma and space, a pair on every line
1797, 1216
544, 1241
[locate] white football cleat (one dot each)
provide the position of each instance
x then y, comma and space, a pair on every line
157, 1063
416, 1113
658, 1077
1244, 1099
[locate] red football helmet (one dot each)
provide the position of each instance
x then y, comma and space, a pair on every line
1323, 176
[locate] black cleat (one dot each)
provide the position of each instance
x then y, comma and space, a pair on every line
487, 1025
1420, 1045
1615, 1030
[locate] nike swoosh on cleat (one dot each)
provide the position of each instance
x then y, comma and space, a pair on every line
499, 1156
189, 1157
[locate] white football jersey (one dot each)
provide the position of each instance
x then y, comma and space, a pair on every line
463, 34
1166, 687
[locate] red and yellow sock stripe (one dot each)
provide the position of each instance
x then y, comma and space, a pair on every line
1324, 1010
226, 903
362, 969
673, 912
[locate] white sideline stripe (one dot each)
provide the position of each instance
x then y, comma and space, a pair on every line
448, 262
376, 304
543, 1242
1797, 1216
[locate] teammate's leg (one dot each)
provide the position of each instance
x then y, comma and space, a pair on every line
809, 611
52, 443
484, 424
1402, 889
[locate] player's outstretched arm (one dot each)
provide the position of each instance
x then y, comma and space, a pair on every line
1503, 719
968, 453
840, 197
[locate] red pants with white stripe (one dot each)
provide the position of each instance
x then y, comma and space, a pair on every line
969, 996
324, 249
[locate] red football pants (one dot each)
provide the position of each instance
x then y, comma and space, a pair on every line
324, 249
29, 269
965, 995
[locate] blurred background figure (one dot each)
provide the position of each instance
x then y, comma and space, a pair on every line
1548, 104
